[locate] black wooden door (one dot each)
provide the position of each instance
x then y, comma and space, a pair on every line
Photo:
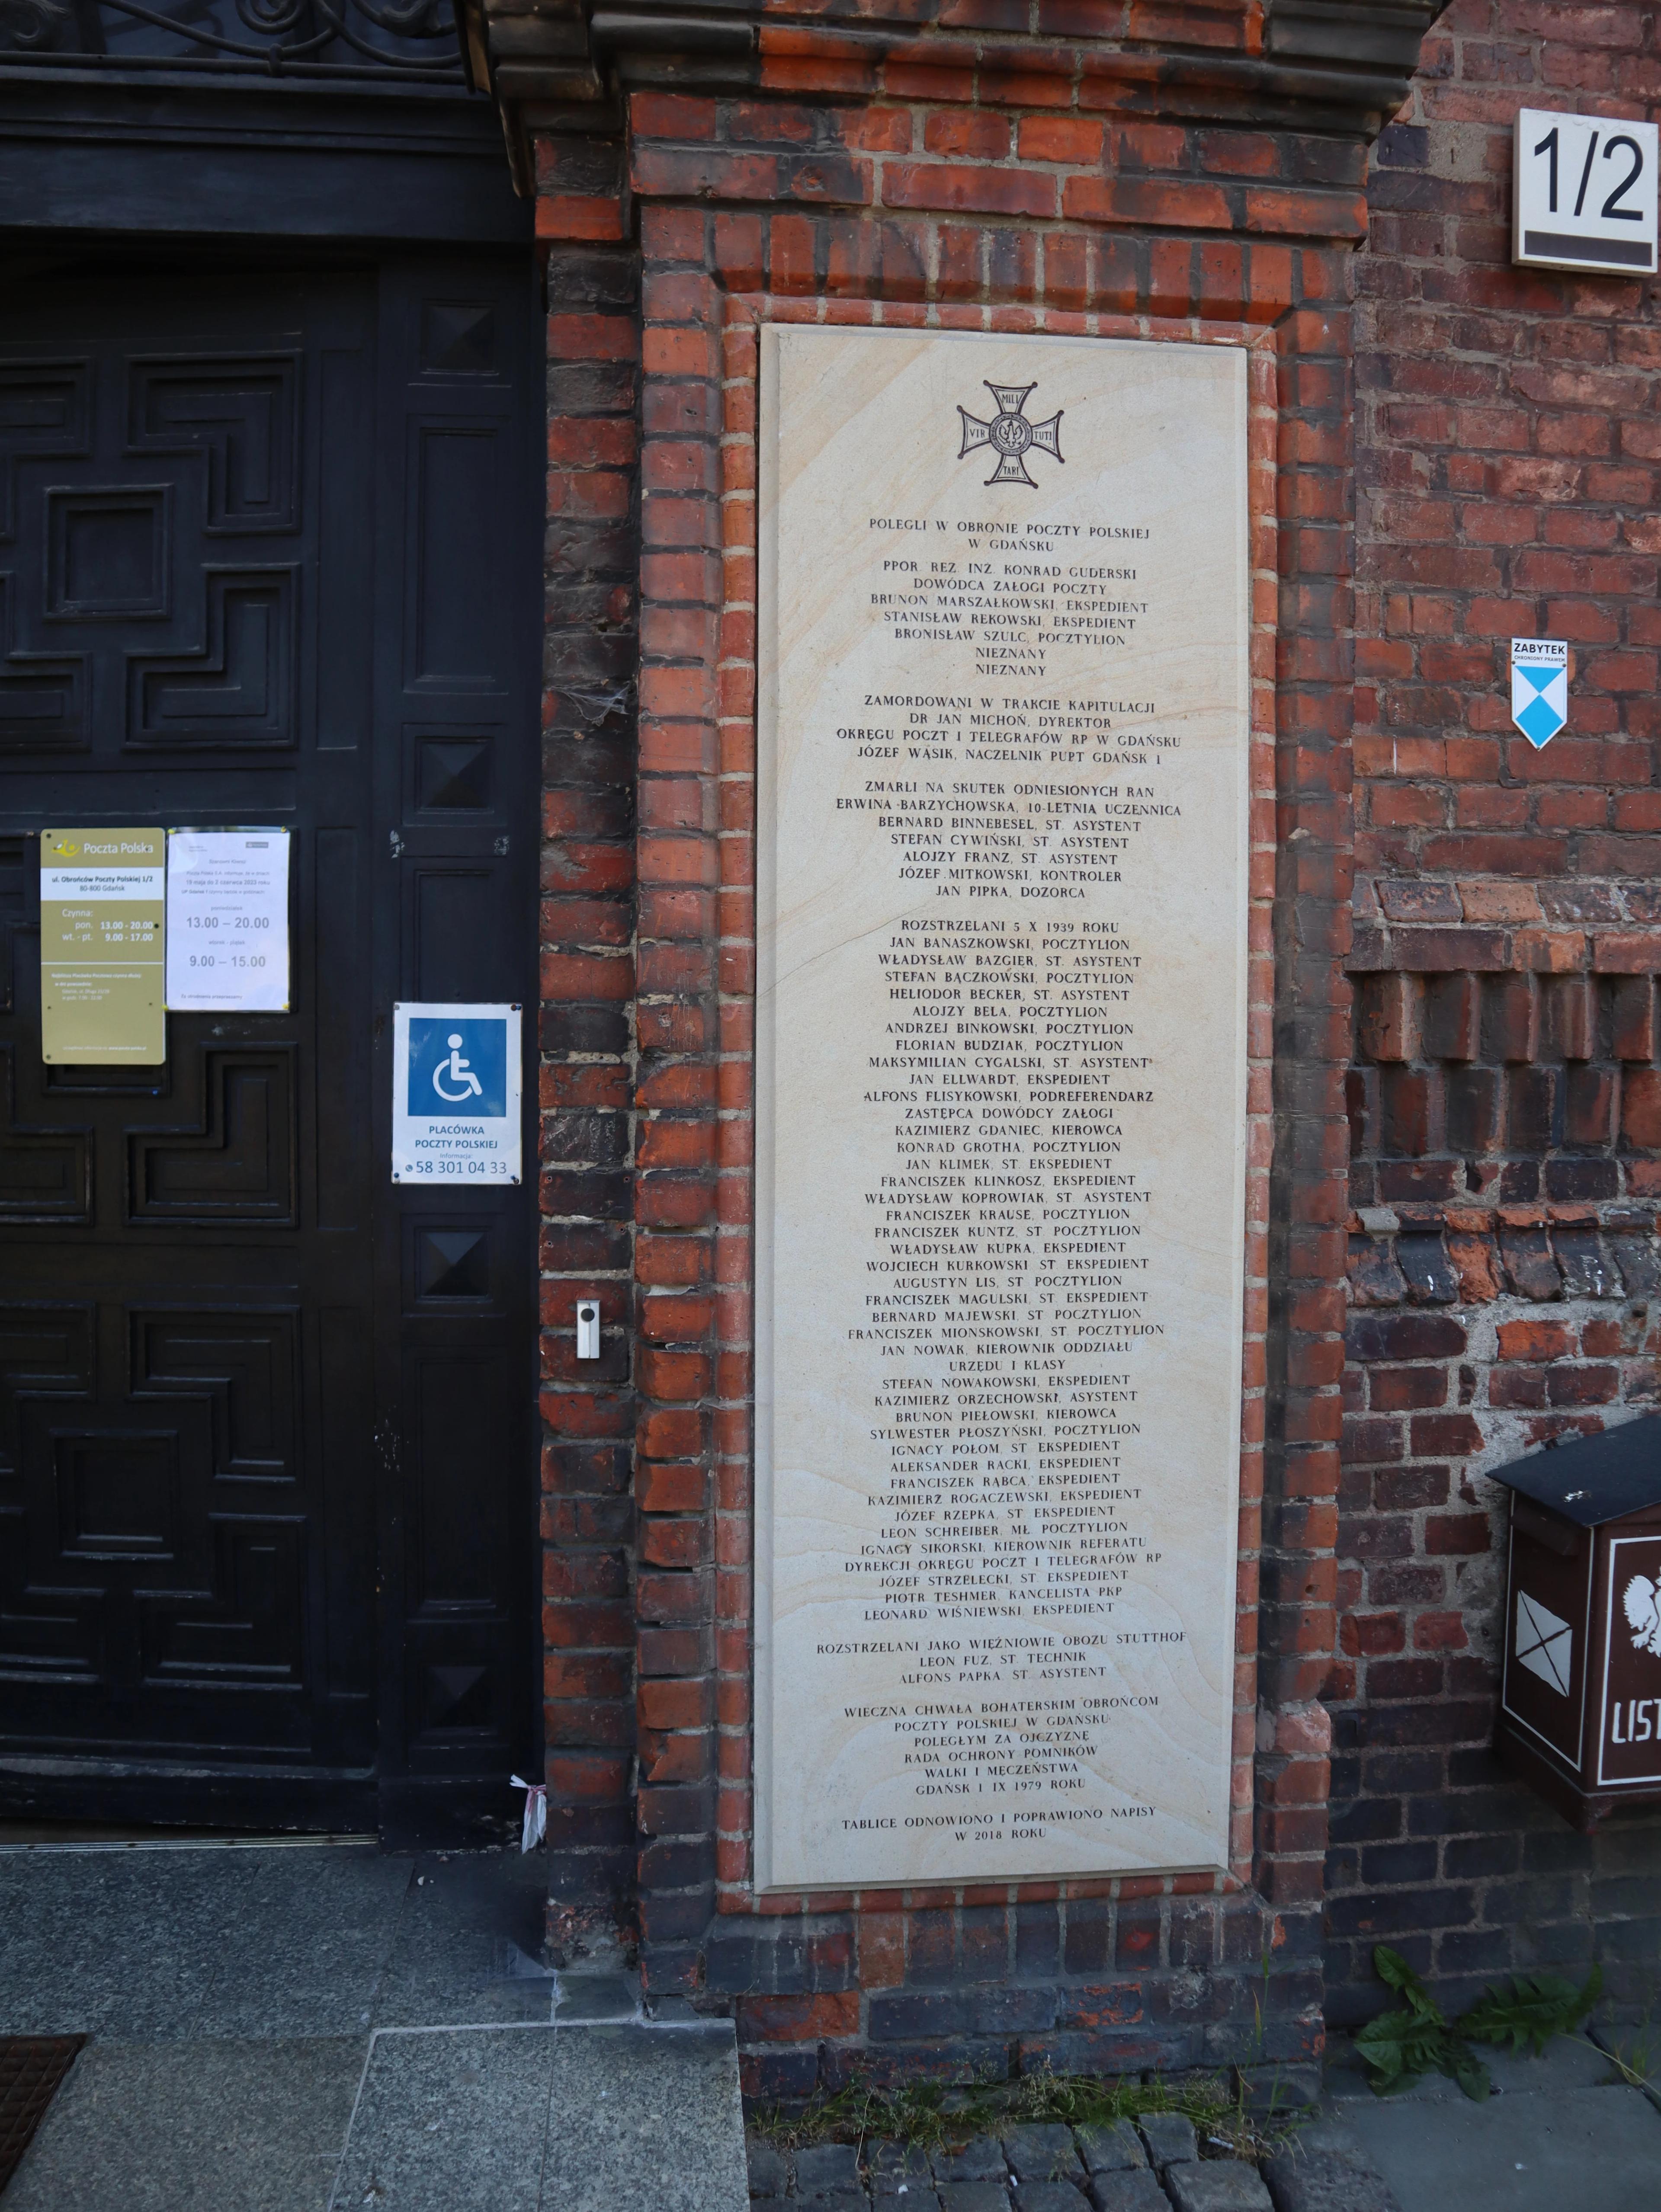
267, 1537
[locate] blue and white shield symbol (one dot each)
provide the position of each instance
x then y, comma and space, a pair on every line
1539, 686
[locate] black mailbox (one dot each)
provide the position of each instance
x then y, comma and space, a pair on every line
1580, 1708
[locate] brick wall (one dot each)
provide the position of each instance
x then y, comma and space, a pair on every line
1503, 1096
958, 176
591, 557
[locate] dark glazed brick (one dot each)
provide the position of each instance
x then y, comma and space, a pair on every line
1037, 1940
1404, 1336
1530, 1267
1430, 1276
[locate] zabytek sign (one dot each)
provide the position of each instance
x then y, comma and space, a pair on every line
456, 1094
1630, 1750
1539, 686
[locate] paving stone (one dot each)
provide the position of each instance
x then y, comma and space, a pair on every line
1330, 2135
895, 2166
1049, 2196
834, 2200
973, 2197
1111, 2150
1041, 2154
769, 2175
1132, 2191
1169, 2138
979, 2160
1303, 2180
826, 2168
1219, 2185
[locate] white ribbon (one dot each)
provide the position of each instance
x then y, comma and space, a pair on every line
536, 1813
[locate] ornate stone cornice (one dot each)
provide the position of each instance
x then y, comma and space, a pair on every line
1337, 67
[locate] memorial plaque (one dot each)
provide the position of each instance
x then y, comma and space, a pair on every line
1000, 1091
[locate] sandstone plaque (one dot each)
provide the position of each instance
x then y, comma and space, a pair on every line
1000, 1091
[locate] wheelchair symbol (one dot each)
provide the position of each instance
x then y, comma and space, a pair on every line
459, 1071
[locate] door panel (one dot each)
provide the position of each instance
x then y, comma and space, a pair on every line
456, 683
267, 1544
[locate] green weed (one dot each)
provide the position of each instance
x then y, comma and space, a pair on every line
931, 2118
1416, 2039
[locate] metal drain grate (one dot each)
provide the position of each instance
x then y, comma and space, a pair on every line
31, 2067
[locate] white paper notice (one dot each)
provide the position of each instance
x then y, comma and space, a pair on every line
227, 921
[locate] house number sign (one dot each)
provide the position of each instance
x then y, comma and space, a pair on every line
1584, 194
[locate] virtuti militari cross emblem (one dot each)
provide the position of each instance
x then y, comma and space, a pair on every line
1010, 435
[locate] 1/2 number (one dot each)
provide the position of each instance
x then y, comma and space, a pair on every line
1612, 209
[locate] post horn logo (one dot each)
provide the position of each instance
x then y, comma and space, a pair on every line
65, 847
1010, 435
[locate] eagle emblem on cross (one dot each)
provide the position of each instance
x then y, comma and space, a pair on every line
1010, 435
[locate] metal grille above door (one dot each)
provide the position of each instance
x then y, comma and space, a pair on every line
268, 555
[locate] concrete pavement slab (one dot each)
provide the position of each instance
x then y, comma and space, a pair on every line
450, 2120
634, 2106
222, 2126
1525, 2153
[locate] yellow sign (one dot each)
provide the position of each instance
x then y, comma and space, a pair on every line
103, 947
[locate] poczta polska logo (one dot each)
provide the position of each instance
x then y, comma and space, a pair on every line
1010, 435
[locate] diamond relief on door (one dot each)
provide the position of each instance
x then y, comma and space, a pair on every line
458, 337
452, 775
242, 416
452, 1263
457, 1697
237, 1164
237, 688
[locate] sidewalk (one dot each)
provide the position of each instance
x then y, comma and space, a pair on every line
293, 2028
1560, 2134
320, 2029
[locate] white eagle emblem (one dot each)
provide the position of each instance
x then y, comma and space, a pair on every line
1641, 1602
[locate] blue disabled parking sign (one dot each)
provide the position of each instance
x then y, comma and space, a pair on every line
1539, 686
456, 1093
